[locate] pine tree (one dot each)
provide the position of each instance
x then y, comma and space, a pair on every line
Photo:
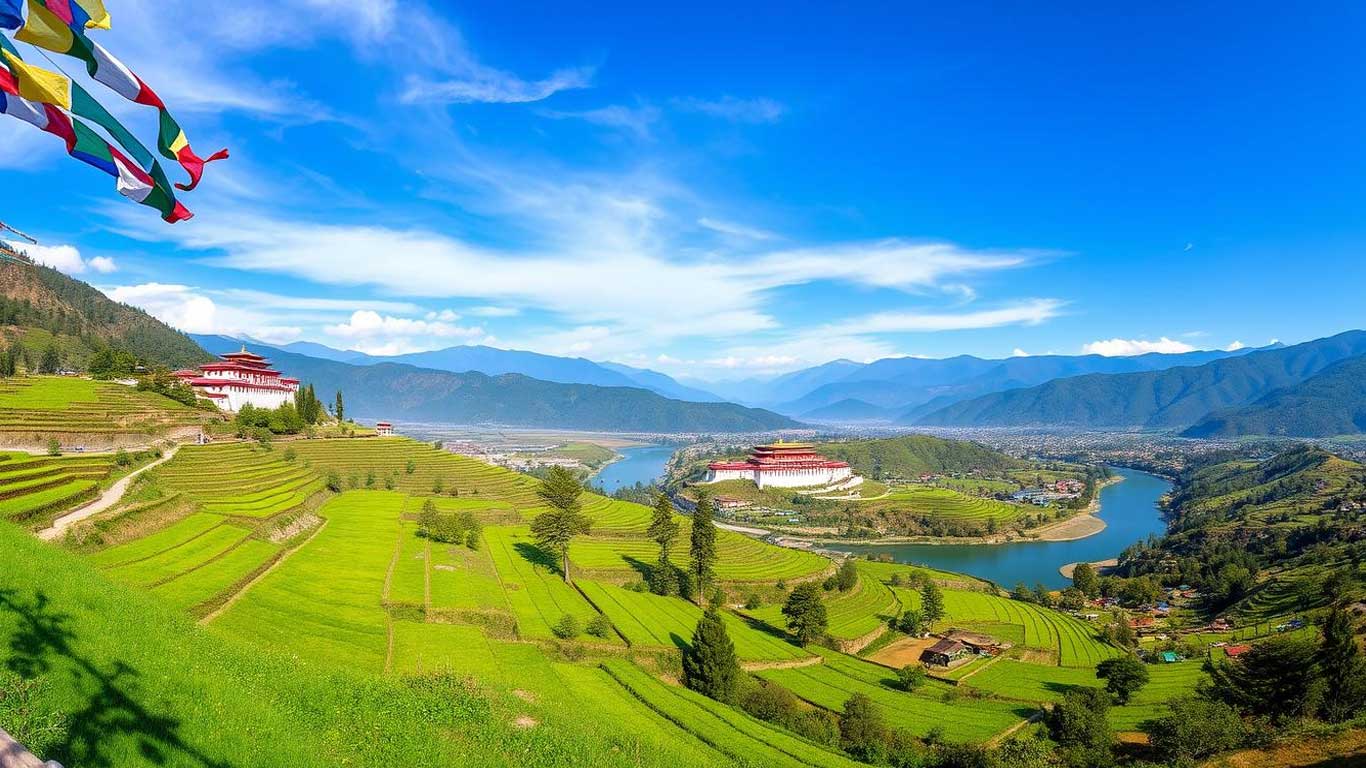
709, 663
702, 553
806, 615
663, 529
931, 602
1344, 673
52, 360
341, 408
554, 530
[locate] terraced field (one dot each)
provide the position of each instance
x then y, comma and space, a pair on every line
648, 620
852, 614
35, 489
945, 504
730, 731
535, 590
933, 705
323, 603
390, 457
739, 558
239, 479
1073, 640
1036, 683
39, 407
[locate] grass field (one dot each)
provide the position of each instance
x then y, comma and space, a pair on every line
138, 686
1073, 641
851, 614
535, 590
40, 407
739, 736
34, 489
323, 602
935, 705
739, 558
945, 504
1013, 679
650, 620
239, 479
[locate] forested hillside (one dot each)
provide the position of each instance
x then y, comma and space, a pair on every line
1331, 403
41, 307
913, 455
1263, 538
1174, 398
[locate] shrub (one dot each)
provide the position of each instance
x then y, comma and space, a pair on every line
863, 732
568, 627
54, 448
411, 467
847, 577
334, 482
600, 626
290, 454
1196, 729
122, 459
910, 677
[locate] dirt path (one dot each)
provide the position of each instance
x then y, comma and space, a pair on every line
1012, 730
1101, 566
106, 500
755, 666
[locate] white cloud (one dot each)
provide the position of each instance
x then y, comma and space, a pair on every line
377, 334
1129, 347
633, 120
1235, 346
179, 306
274, 301
1030, 312
480, 84
735, 230
1017, 352
67, 259
737, 110
490, 311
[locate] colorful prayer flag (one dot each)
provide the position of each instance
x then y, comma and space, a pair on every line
97, 16
11, 14
59, 26
36, 84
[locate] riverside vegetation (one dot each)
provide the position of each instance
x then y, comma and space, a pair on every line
381, 601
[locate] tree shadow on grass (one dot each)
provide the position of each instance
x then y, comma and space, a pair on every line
42, 642
1057, 687
642, 568
537, 556
766, 628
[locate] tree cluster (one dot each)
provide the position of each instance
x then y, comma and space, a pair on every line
462, 528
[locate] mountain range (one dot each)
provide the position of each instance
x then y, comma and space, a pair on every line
1174, 398
494, 362
404, 392
1332, 402
899, 389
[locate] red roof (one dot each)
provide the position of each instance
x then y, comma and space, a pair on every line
1237, 650
217, 383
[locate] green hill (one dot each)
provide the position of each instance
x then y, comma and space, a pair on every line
1331, 403
41, 306
1168, 399
1263, 539
913, 455
91, 414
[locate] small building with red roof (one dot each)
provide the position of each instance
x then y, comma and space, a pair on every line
781, 465
1237, 650
238, 379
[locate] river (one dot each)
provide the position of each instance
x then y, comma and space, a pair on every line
1129, 509
641, 464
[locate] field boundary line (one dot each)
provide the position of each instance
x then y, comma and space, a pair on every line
1012, 730
602, 613
205, 532
289, 553
197, 566
758, 666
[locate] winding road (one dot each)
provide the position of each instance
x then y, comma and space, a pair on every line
106, 500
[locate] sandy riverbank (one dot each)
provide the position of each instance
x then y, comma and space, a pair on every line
1101, 566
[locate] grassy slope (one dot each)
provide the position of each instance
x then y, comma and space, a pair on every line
141, 685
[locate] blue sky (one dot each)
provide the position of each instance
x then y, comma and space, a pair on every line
723, 190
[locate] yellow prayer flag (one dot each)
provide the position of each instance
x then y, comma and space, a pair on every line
45, 29
99, 17
39, 85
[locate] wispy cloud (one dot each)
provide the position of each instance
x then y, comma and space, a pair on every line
377, 334
68, 259
735, 230
493, 86
759, 110
636, 121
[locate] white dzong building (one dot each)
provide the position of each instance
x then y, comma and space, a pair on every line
781, 465
242, 378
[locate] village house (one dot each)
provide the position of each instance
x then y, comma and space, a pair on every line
384, 429
945, 653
